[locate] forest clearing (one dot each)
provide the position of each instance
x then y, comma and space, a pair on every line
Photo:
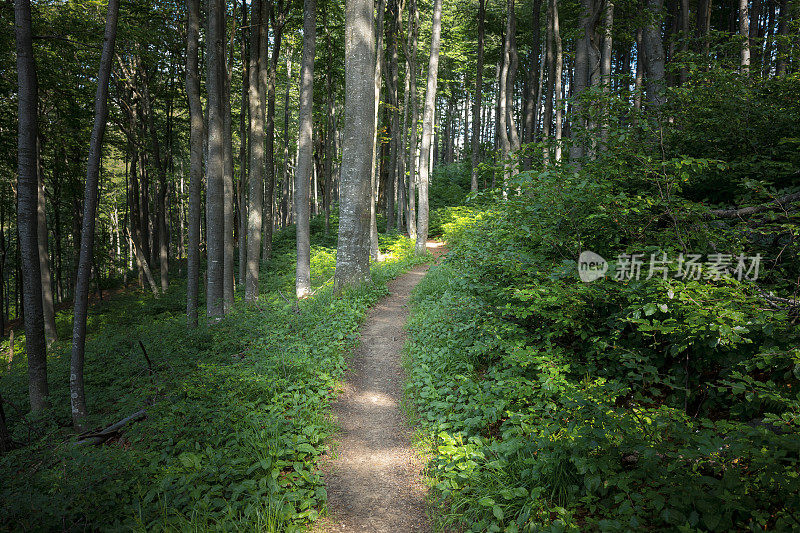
400, 265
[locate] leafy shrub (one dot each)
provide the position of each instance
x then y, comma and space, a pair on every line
236, 411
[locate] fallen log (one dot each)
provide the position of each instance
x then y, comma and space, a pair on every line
752, 210
93, 439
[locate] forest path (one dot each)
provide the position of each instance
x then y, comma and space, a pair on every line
374, 481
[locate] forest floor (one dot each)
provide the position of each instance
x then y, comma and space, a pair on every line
374, 480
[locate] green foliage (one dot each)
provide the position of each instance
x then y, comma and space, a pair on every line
650, 404
236, 411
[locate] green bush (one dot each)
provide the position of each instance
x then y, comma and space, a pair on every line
236, 411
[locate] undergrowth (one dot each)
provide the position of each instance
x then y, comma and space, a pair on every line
237, 412
551, 404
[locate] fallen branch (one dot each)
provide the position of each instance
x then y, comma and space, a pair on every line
146, 358
752, 210
93, 439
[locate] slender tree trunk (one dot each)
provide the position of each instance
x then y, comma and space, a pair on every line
305, 150
605, 67
744, 32
476, 103
48, 306
580, 82
287, 189
373, 221
413, 154
278, 21
256, 100
427, 128
330, 128
551, 74
27, 206
783, 46
215, 171
77, 394
243, 153
229, 273
352, 257
513, 64
557, 70
392, 84
654, 55
196, 135
532, 95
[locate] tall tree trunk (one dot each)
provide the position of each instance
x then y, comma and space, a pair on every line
557, 69
27, 206
392, 85
605, 67
330, 127
76, 389
783, 46
476, 103
287, 189
48, 305
243, 153
256, 100
513, 64
373, 221
352, 256
532, 95
413, 154
744, 32
278, 21
228, 276
196, 134
547, 121
215, 186
654, 55
427, 128
305, 150
580, 82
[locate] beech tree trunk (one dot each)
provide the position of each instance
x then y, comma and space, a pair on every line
744, 32
76, 389
476, 103
229, 273
196, 134
255, 101
654, 55
428, 116
215, 171
373, 221
352, 256
413, 154
48, 305
27, 206
557, 68
305, 151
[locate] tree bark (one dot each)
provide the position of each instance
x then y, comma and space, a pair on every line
373, 221
27, 206
413, 154
77, 394
352, 256
744, 32
48, 305
278, 21
654, 55
196, 134
256, 100
476, 103
392, 84
305, 151
228, 272
557, 70
427, 128
215, 171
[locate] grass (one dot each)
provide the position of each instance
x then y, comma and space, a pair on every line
237, 411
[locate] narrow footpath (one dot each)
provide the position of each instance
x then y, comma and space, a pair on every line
374, 481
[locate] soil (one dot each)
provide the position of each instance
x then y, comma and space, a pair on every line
374, 479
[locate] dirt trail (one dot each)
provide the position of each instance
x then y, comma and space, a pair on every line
374, 482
